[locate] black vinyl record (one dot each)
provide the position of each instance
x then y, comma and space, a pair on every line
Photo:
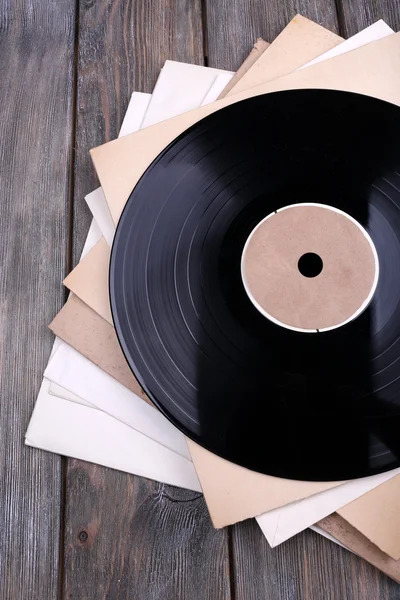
305, 406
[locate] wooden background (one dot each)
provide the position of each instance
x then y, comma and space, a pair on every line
69, 529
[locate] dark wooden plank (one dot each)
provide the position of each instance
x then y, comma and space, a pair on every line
144, 539
37, 56
307, 566
354, 15
128, 537
234, 25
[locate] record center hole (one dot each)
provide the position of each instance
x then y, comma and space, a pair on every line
310, 264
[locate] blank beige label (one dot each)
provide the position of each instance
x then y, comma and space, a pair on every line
310, 267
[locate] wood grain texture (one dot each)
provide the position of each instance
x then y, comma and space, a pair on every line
36, 55
122, 46
145, 540
128, 537
307, 567
233, 26
354, 15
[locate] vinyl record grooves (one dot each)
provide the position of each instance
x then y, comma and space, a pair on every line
321, 406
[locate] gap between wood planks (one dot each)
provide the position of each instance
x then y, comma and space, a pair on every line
68, 267
340, 17
205, 34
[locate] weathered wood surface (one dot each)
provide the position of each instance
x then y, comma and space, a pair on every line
232, 26
144, 540
124, 537
307, 567
36, 57
128, 537
121, 48
354, 15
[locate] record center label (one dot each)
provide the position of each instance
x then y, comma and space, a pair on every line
310, 267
